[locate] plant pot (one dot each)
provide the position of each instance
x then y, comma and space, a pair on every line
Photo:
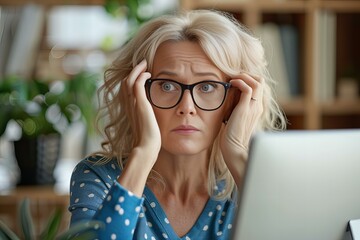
37, 158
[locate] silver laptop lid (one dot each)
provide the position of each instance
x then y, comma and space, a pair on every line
300, 185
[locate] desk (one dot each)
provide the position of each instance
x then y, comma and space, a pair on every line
43, 202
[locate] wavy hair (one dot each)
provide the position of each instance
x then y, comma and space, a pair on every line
228, 44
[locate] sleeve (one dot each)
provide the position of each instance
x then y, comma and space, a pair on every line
96, 195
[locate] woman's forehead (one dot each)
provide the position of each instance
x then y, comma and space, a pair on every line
184, 57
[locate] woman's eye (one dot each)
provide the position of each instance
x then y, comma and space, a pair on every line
167, 86
207, 87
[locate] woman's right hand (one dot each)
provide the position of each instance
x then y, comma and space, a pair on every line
145, 127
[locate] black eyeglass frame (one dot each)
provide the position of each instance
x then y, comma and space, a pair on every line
184, 87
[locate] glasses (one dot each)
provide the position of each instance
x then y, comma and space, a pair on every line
166, 93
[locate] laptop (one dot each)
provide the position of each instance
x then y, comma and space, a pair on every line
300, 185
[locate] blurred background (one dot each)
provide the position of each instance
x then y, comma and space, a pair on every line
53, 54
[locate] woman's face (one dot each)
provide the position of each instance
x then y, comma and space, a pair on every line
186, 129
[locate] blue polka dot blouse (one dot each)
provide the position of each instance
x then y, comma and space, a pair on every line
96, 195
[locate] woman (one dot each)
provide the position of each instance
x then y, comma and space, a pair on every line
181, 102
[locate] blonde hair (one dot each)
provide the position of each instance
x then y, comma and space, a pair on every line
229, 45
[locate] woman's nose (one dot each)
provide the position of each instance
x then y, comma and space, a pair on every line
186, 104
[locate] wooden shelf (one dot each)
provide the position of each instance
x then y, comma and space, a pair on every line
282, 6
232, 5
341, 6
44, 200
51, 2
341, 107
34, 193
285, 6
294, 106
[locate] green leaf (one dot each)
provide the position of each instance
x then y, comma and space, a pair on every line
5, 119
2, 236
6, 233
52, 227
133, 6
26, 220
111, 7
81, 230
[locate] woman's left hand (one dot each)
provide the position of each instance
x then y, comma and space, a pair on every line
242, 123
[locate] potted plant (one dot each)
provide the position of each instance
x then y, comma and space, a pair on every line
42, 110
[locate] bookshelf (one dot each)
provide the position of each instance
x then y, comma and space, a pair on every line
317, 70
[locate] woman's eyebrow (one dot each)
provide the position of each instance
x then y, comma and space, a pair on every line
168, 73
202, 74
199, 74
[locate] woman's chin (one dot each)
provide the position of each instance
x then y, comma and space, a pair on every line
184, 149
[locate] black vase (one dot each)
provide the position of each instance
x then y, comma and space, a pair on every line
37, 158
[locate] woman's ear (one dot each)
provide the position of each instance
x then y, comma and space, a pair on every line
231, 100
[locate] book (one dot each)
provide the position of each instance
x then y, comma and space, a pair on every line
290, 43
270, 36
9, 17
325, 40
25, 45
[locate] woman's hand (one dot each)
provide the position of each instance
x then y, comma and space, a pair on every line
242, 123
147, 132
143, 121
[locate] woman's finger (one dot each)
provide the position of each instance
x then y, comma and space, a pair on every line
139, 89
128, 94
134, 74
252, 81
244, 88
146, 128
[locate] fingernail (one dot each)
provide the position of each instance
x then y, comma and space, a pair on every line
149, 75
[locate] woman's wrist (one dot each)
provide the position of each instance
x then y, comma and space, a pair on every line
236, 163
137, 169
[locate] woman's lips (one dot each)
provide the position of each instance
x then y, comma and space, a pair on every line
185, 129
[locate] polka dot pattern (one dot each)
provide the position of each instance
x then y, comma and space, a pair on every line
95, 193
127, 222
